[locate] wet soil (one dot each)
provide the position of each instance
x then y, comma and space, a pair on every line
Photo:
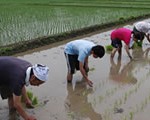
120, 92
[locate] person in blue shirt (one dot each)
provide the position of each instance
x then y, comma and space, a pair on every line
77, 53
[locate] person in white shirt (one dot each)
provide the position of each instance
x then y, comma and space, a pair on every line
144, 28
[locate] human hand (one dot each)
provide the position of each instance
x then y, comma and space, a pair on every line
31, 118
90, 83
130, 57
29, 105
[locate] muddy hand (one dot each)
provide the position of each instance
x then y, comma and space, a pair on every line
130, 57
31, 118
90, 83
29, 105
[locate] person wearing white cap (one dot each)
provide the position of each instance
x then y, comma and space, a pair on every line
143, 28
15, 74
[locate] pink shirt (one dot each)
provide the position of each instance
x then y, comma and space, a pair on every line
123, 34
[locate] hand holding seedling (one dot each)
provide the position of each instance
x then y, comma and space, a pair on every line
29, 105
90, 83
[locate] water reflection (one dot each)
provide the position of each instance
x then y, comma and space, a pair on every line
122, 73
139, 53
77, 105
8, 115
14, 116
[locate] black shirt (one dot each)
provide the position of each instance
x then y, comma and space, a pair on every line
13, 73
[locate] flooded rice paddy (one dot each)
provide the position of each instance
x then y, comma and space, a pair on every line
121, 89
30, 19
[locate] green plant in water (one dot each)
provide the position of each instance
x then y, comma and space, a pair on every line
91, 69
35, 101
71, 115
125, 97
131, 115
109, 47
137, 44
30, 95
33, 98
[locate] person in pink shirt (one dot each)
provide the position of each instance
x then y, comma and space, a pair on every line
127, 36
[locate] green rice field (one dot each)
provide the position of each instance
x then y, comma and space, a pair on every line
23, 20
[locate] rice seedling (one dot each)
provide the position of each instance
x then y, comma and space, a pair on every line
35, 101
131, 115
91, 69
33, 19
33, 98
30, 95
137, 44
125, 97
70, 115
109, 47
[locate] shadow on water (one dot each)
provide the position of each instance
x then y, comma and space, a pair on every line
77, 104
140, 54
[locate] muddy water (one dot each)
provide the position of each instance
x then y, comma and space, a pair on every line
121, 89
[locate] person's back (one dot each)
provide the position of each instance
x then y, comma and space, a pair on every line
82, 48
76, 46
12, 70
143, 26
122, 34
15, 74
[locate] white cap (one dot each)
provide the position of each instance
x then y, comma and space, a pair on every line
41, 72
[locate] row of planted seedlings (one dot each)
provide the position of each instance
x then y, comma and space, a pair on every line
25, 22
123, 100
110, 93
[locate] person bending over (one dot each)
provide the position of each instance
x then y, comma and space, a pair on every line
15, 74
127, 36
77, 53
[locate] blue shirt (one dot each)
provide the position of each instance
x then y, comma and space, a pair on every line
81, 47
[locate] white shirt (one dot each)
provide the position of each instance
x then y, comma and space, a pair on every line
27, 82
143, 27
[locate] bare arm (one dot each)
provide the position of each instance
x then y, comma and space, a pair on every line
27, 100
86, 65
83, 72
127, 50
19, 108
148, 37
